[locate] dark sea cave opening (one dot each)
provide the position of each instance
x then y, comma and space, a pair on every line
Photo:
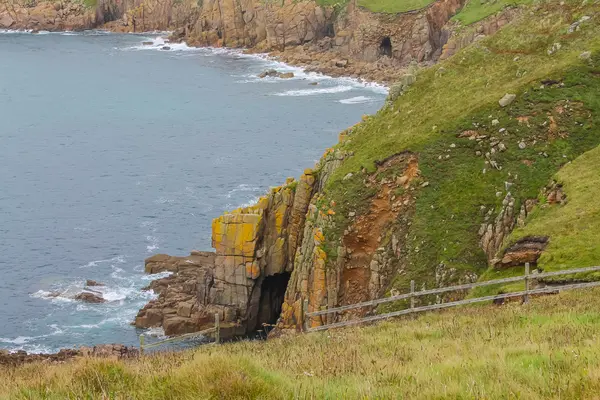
271, 300
385, 48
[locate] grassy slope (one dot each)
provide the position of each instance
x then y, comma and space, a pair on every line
547, 349
394, 6
476, 10
429, 117
574, 228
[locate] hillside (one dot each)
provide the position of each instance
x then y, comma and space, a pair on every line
429, 189
545, 350
484, 157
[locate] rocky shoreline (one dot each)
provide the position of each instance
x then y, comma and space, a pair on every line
109, 351
271, 257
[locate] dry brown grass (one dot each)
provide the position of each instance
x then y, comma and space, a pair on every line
547, 349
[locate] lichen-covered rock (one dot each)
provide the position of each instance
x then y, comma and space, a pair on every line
251, 245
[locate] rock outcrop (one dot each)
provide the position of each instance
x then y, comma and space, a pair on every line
244, 281
271, 256
461, 38
90, 297
70, 15
526, 250
112, 351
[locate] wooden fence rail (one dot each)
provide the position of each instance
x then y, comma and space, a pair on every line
216, 330
527, 277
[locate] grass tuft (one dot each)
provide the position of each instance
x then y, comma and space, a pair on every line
544, 350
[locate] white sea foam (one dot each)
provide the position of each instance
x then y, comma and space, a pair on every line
243, 188
154, 277
153, 245
313, 92
155, 332
118, 259
17, 340
56, 296
32, 348
12, 32
357, 100
249, 203
159, 43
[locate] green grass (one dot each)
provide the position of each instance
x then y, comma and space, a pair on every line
548, 349
394, 6
573, 228
476, 10
428, 118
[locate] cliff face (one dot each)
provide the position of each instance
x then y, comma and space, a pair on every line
304, 28
45, 15
245, 279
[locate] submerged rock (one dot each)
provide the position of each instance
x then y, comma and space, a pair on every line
286, 75
90, 297
276, 74
269, 72
91, 282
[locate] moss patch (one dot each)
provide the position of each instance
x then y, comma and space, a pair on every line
476, 10
394, 6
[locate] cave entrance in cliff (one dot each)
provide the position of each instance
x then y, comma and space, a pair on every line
385, 48
272, 293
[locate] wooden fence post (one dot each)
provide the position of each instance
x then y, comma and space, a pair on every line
526, 297
217, 328
142, 344
304, 316
412, 294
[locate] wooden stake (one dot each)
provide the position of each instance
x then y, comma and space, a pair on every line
217, 328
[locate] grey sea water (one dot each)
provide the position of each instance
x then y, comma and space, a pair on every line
111, 151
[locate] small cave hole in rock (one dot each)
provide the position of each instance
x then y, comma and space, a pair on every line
385, 48
330, 30
271, 299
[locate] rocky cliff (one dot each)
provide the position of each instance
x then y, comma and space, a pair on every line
343, 40
424, 190
70, 15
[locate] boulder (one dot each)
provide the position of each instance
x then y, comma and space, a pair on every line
91, 282
507, 100
286, 75
6, 21
90, 297
526, 250
175, 325
269, 72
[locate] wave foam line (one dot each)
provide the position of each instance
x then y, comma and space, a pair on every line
313, 92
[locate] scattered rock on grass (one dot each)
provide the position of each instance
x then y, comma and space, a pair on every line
507, 99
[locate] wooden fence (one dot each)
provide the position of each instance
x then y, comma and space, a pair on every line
527, 277
216, 330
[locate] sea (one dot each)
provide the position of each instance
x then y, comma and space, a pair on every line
115, 147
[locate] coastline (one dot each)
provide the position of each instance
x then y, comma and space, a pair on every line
62, 355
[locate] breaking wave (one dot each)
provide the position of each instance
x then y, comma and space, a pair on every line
313, 92
357, 100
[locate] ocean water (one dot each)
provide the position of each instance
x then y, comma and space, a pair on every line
111, 151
